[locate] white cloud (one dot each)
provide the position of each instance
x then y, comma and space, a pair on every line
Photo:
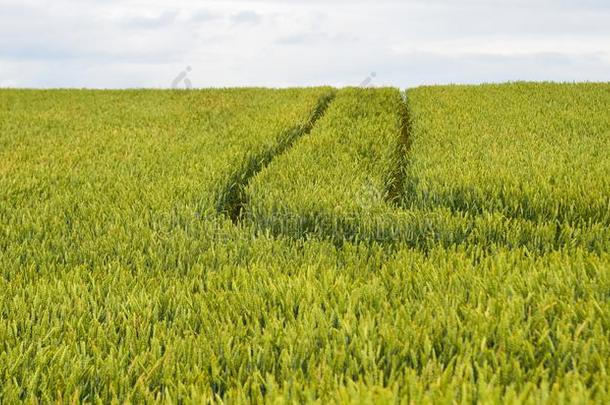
136, 43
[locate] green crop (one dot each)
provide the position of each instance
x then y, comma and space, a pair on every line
95, 177
300, 322
533, 151
341, 183
305, 245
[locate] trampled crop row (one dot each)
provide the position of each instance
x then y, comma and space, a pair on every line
341, 181
89, 177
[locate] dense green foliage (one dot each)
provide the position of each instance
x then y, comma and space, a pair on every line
92, 177
534, 151
228, 245
309, 321
340, 181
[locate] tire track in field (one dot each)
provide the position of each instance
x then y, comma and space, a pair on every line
397, 174
400, 225
235, 198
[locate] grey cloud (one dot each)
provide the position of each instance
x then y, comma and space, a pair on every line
164, 19
310, 38
203, 16
426, 68
246, 17
299, 39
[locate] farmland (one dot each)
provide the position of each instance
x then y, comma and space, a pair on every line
443, 244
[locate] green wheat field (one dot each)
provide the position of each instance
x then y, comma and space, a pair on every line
443, 244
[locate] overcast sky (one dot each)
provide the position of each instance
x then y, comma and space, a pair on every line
148, 43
